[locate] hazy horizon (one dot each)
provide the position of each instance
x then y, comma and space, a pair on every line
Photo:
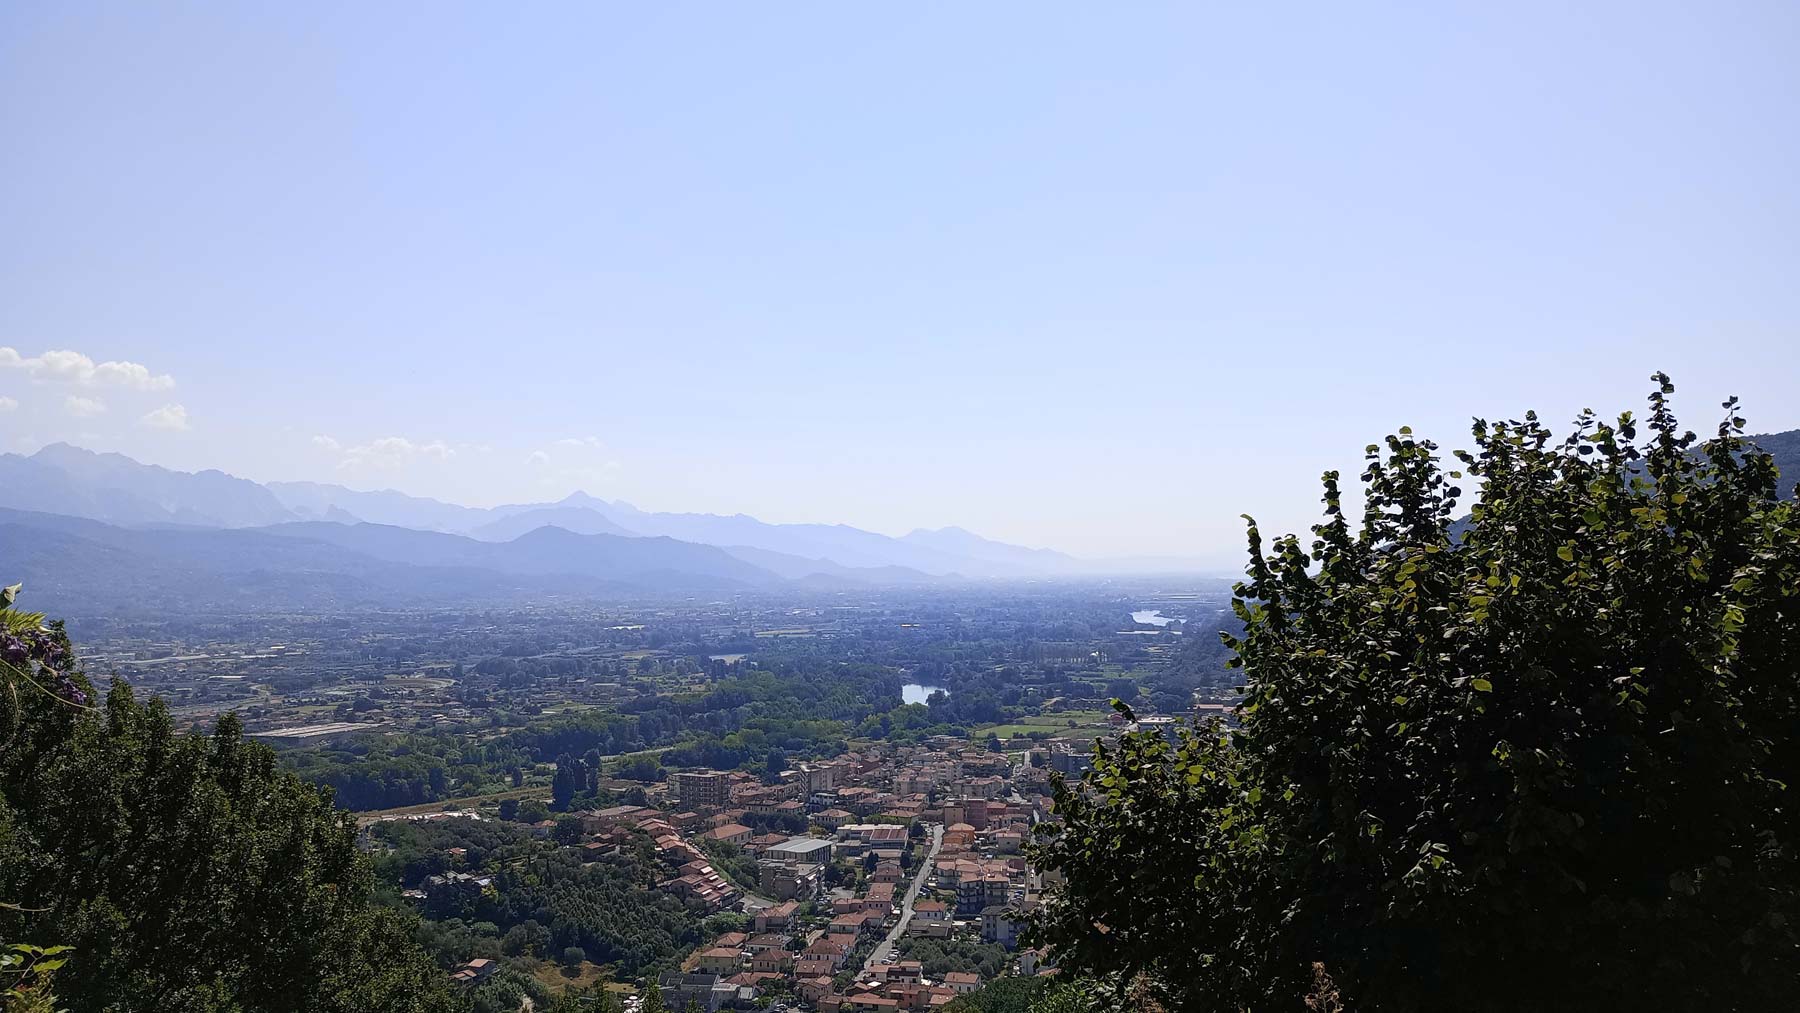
1096, 281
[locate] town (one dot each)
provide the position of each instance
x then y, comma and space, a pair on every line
802, 804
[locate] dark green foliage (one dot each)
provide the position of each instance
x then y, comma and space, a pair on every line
385, 771
941, 956
570, 780
731, 862
1027, 995
505, 991
609, 910
415, 850
190, 872
1784, 450
1540, 766
642, 767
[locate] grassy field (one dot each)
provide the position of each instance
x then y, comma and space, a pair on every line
1066, 723
555, 979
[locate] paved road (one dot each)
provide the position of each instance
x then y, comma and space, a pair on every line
880, 953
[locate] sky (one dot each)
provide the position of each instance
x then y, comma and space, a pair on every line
1094, 277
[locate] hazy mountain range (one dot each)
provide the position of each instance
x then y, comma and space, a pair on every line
107, 527
104, 534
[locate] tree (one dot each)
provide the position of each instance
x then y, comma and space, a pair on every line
186, 871
573, 956
1534, 759
653, 1000
509, 809
642, 768
568, 830
524, 939
567, 783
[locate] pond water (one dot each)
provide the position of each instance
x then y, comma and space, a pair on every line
914, 692
1151, 617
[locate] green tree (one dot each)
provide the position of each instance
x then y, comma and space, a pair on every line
187, 871
653, 1000
1534, 759
567, 782
568, 830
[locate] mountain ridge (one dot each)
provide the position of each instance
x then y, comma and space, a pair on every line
87, 567
64, 479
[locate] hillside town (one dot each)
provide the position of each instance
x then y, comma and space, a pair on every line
901, 884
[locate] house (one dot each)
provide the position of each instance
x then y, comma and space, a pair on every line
779, 916
814, 987
931, 911
763, 842
731, 833
477, 970
815, 967
718, 960
705, 990
963, 982
772, 961
879, 899
764, 941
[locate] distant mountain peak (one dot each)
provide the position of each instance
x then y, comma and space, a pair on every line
69, 480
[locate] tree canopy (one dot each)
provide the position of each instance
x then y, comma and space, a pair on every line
185, 871
1537, 757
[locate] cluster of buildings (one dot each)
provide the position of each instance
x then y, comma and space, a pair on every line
944, 816
852, 859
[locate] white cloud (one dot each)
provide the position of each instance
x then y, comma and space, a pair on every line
172, 417
386, 452
581, 441
9, 404
65, 366
538, 457
83, 407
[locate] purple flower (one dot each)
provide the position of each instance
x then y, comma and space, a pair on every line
68, 690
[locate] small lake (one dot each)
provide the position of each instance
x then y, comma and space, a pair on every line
914, 692
1151, 617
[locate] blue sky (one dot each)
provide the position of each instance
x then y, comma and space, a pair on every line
1100, 277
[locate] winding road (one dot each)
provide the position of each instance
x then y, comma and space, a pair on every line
880, 953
